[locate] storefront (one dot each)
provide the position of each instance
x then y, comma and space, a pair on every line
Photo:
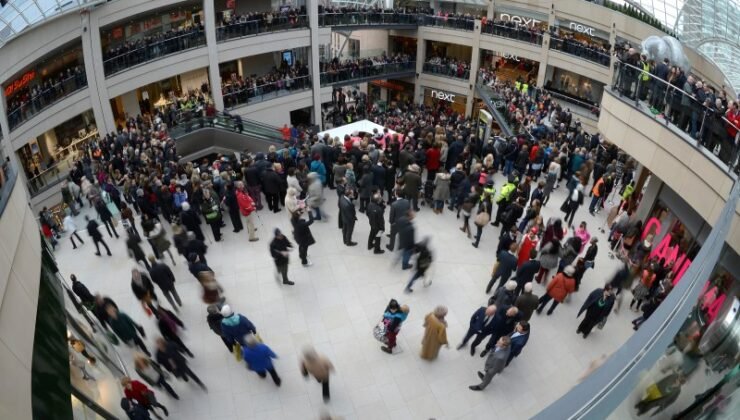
436, 49
582, 32
186, 15
526, 18
402, 45
388, 93
159, 95
510, 67
49, 156
573, 85
444, 101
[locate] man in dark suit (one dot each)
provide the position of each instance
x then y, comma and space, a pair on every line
348, 215
495, 363
481, 326
375, 210
519, 339
191, 220
412, 185
406, 239
503, 324
399, 208
506, 266
92, 230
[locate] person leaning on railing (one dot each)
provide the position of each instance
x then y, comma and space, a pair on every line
251, 23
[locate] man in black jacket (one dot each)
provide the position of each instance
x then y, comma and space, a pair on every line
375, 210
280, 250
191, 220
481, 326
302, 235
82, 292
348, 215
170, 357
503, 324
271, 186
399, 207
92, 230
163, 277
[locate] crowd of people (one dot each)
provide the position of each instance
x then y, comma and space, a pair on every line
32, 99
448, 66
693, 105
513, 30
252, 23
338, 70
240, 90
435, 159
597, 52
120, 56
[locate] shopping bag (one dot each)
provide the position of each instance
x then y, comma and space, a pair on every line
237, 350
566, 206
379, 332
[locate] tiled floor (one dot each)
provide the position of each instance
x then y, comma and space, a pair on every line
334, 306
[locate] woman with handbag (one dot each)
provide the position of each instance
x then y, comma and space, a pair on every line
135, 390
485, 207
211, 210
152, 373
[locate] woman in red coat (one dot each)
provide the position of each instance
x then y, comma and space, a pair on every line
433, 156
135, 390
558, 289
528, 244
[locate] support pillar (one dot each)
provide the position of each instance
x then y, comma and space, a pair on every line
649, 197
474, 63
4, 126
420, 58
214, 75
92, 53
312, 8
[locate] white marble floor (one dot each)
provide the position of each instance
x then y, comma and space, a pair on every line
334, 306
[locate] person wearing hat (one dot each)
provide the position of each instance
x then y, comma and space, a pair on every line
190, 219
214, 318
258, 358
558, 289
280, 248
234, 327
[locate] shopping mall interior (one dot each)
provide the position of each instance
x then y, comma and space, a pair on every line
398, 209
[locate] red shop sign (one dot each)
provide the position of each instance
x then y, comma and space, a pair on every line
231, 4
22, 82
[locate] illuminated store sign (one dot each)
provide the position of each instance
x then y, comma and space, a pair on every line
664, 250
582, 29
521, 20
19, 84
444, 96
507, 56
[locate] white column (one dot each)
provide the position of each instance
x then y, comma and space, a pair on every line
4, 127
420, 57
649, 197
214, 76
312, 7
491, 8
92, 52
474, 63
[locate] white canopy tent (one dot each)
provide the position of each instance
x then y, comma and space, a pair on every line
363, 126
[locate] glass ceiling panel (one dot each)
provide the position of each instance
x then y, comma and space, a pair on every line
18, 15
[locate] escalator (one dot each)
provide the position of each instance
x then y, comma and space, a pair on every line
198, 136
496, 106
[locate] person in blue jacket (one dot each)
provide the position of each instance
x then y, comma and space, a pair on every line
258, 358
519, 339
318, 166
234, 327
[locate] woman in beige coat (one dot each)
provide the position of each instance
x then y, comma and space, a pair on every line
317, 366
435, 333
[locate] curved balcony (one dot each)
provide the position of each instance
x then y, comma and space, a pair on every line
251, 95
513, 31
257, 27
580, 50
117, 62
46, 98
358, 74
444, 70
372, 19
648, 118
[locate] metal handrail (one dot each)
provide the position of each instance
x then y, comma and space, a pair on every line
366, 71
198, 35
488, 29
620, 84
266, 85
563, 41
15, 123
445, 70
222, 32
370, 18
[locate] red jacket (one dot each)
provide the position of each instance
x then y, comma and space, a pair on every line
560, 287
138, 392
246, 204
733, 117
433, 155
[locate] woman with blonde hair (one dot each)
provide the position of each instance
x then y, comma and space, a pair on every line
435, 333
153, 374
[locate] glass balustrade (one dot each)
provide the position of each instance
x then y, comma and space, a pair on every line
115, 61
192, 119
250, 95
581, 50
447, 70
513, 31
367, 18
30, 107
449, 22
347, 73
696, 113
256, 27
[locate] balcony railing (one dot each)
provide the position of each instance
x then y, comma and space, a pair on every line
513, 31
267, 91
189, 120
458, 23
363, 72
7, 181
153, 51
445, 70
693, 113
58, 172
580, 50
46, 98
256, 27
367, 19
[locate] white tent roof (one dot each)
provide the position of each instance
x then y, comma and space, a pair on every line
364, 126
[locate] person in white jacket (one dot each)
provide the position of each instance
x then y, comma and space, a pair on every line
71, 227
